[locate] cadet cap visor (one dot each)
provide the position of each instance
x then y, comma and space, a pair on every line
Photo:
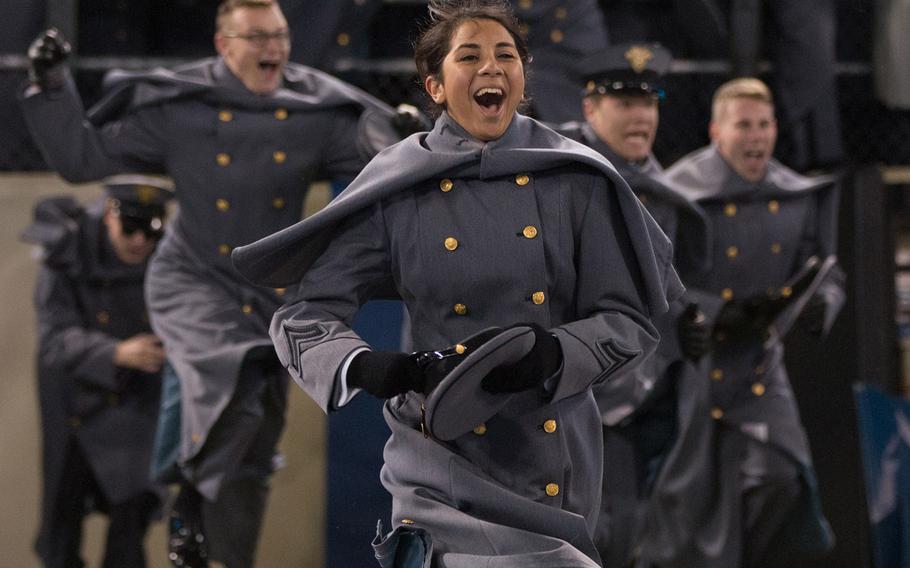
459, 403
629, 68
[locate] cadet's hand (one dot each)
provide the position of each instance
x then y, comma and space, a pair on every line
694, 335
47, 56
384, 374
530, 371
812, 318
408, 120
437, 364
142, 352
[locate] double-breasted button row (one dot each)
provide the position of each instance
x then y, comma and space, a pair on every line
226, 115
224, 159
223, 205
730, 208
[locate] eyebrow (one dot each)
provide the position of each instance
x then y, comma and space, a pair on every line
477, 46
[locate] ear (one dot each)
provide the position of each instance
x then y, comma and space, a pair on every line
435, 89
221, 44
588, 106
712, 131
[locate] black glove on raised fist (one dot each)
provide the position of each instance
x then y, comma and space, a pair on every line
385, 374
530, 371
46, 56
694, 335
408, 120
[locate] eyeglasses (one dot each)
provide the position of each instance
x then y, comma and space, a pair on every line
152, 228
261, 39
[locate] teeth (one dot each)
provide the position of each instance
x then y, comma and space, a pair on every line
488, 90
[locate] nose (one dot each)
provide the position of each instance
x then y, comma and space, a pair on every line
491, 66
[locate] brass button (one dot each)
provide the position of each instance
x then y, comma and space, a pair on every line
556, 36
280, 291
281, 113
446, 185
460, 349
549, 426
522, 179
103, 317
726, 294
480, 429
74, 421
407, 522
225, 116
343, 39
195, 437
774, 206
717, 413
223, 159
247, 309
529, 232
730, 209
279, 157
525, 4
717, 375
451, 243
732, 252
222, 205
278, 203
460, 309
758, 389
760, 370
775, 248
786, 291
552, 489
538, 298
113, 399
224, 249
560, 13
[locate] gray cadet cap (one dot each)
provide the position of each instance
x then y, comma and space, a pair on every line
627, 68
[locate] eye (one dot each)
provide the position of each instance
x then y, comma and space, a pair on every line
506, 55
468, 57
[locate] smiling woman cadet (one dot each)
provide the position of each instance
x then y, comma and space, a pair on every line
493, 228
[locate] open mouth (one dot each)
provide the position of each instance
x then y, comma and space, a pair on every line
269, 66
638, 135
490, 99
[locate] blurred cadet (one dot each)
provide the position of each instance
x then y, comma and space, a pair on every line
98, 367
622, 90
744, 492
242, 135
559, 33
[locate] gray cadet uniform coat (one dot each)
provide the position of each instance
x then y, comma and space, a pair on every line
241, 164
638, 434
762, 234
529, 227
560, 33
87, 301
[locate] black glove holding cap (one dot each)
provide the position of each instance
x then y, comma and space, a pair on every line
812, 318
693, 332
541, 363
437, 364
385, 374
408, 120
46, 56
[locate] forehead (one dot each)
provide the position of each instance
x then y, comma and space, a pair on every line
744, 108
480, 31
250, 17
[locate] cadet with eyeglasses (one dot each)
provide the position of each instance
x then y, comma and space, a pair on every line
242, 135
99, 367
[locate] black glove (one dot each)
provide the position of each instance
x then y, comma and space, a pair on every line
693, 332
46, 56
385, 374
812, 318
530, 371
408, 120
186, 544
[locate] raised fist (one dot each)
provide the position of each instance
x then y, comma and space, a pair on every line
46, 56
